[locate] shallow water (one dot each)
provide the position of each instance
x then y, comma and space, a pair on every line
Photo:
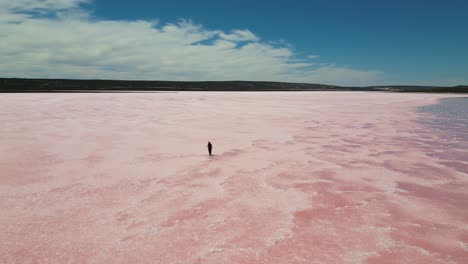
446, 131
450, 116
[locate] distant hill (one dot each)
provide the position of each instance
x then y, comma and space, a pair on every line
67, 85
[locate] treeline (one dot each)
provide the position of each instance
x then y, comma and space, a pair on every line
70, 85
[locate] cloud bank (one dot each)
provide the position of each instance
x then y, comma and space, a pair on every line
61, 39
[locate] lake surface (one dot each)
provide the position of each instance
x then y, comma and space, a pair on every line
296, 177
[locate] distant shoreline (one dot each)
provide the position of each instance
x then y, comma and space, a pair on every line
20, 85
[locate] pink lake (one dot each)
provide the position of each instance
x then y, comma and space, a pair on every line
297, 177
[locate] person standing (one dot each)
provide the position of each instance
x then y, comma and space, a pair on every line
210, 147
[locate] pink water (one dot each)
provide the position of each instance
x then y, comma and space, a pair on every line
296, 178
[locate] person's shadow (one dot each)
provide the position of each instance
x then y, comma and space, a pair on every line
214, 157
231, 153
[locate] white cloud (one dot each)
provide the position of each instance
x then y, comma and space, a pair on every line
313, 57
40, 5
67, 43
239, 35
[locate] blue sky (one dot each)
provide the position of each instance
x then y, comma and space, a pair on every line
335, 42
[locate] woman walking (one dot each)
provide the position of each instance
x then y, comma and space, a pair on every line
210, 147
